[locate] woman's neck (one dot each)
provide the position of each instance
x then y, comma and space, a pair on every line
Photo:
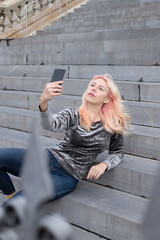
93, 111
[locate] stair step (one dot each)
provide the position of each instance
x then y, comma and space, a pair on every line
140, 138
18, 139
122, 73
113, 11
147, 45
20, 119
99, 35
135, 175
129, 90
134, 57
143, 141
50, 36
79, 234
30, 70
102, 27
119, 73
132, 12
142, 113
103, 211
104, 20
113, 3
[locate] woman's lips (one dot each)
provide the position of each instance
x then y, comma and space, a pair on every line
91, 94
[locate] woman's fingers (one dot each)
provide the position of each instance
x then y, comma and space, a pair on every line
92, 173
98, 175
96, 171
51, 90
54, 85
58, 82
55, 90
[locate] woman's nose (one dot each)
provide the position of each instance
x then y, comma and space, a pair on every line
94, 88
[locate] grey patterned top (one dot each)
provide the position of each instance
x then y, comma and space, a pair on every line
80, 148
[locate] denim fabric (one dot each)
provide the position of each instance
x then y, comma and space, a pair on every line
11, 160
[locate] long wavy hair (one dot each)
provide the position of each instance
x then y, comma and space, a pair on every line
113, 114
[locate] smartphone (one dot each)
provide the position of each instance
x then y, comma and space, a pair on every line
58, 75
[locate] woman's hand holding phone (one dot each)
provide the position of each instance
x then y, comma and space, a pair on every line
51, 89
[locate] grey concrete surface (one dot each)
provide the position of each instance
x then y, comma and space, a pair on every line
10, 59
92, 28
137, 144
118, 13
135, 175
150, 94
93, 46
128, 90
54, 48
12, 99
135, 57
105, 211
30, 70
146, 114
79, 234
108, 20
122, 73
51, 37
20, 119
119, 73
113, 5
15, 138
99, 35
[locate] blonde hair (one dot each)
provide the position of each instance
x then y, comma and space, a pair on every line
113, 114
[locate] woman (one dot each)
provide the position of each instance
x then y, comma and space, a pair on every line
98, 124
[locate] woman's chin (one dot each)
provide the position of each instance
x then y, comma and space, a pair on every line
89, 99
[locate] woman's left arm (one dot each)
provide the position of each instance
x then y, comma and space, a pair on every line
115, 151
114, 158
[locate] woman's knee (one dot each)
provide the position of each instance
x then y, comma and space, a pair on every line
11, 159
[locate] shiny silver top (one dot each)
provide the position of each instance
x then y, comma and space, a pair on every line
80, 147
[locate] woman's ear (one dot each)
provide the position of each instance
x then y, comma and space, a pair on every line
107, 100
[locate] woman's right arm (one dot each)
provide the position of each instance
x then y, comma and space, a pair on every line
54, 122
52, 89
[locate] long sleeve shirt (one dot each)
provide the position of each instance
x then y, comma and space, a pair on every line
80, 147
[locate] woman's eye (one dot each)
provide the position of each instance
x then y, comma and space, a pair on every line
101, 89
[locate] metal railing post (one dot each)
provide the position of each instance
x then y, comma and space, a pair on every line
27, 15
60, 9
67, 6
26, 20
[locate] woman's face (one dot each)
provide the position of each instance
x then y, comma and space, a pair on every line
97, 92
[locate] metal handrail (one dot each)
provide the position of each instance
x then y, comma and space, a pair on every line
60, 8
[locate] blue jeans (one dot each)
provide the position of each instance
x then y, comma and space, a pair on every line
11, 160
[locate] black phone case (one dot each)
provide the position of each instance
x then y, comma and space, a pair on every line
58, 75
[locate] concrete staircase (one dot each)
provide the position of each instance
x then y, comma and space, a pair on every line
119, 37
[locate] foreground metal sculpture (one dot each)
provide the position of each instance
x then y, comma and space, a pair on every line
23, 213
151, 226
